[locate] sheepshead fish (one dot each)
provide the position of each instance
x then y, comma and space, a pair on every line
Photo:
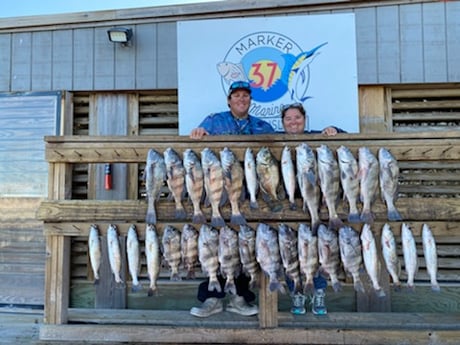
133, 252
152, 253
410, 255
175, 179
268, 255
171, 250
390, 256
194, 183
154, 176
370, 258
349, 178
287, 239
247, 249
389, 175
288, 173
329, 178
431, 257
250, 175
229, 257
208, 246
189, 249
350, 253
95, 251
213, 184
113, 246
233, 183
368, 182
329, 254
269, 178
307, 178
307, 244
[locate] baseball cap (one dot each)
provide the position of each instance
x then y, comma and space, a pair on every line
239, 85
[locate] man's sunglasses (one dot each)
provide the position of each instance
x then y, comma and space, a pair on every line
240, 85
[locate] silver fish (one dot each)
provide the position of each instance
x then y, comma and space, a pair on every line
328, 172
113, 246
268, 175
287, 239
95, 251
370, 258
431, 256
307, 244
247, 249
229, 257
213, 184
268, 255
389, 175
410, 255
329, 254
154, 176
133, 253
194, 183
368, 182
189, 249
170, 242
350, 253
349, 178
152, 253
250, 175
208, 244
390, 256
307, 179
289, 178
175, 179
233, 183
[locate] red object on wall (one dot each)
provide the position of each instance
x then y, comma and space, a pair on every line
108, 176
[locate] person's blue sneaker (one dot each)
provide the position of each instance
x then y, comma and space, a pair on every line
318, 302
298, 304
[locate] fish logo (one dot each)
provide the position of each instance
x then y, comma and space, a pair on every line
231, 72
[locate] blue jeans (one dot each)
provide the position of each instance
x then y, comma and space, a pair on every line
319, 282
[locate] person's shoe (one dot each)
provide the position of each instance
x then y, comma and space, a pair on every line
238, 305
319, 303
298, 304
209, 307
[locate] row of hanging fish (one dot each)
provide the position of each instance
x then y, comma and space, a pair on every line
218, 180
279, 252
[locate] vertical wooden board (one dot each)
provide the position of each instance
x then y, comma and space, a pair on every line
268, 304
41, 60
5, 62
104, 60
62, 60
388, 44
453, 40
372, 109
167, 56
366, 47
146, 56
83, 61
67, 118
434, 43
21, 61
133, 129
411, 43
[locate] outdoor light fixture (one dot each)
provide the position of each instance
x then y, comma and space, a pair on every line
120, 35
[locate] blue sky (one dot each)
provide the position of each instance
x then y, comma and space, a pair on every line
19, 8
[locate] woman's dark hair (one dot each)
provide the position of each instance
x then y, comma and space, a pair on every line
286, 107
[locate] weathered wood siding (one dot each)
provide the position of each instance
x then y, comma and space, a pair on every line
396, 43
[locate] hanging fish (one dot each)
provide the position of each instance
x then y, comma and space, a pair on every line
133, 253
95, 251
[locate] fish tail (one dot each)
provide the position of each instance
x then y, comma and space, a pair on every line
136, 287
214, 285
175, 277
230, 287
151, 217
120, 285
275, 206
435, 287
152, 291
397, 287
275, 286
237, 219
253, 205
354, 218
411, 288
180, 213
380, 293
96, 281
335, 223
393, 215
292, 206
337, 286
198, 218
367, 217
190, 274
217, 221
358, 286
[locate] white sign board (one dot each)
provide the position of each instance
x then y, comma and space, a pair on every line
309, 59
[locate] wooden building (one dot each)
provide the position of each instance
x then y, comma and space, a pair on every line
121, 101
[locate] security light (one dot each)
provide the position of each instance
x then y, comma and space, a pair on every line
120, 35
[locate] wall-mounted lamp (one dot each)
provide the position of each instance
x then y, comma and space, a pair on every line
120, 35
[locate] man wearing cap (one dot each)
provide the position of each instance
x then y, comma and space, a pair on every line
235, 121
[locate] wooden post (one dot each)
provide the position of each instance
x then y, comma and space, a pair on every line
373, 109
268, 305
